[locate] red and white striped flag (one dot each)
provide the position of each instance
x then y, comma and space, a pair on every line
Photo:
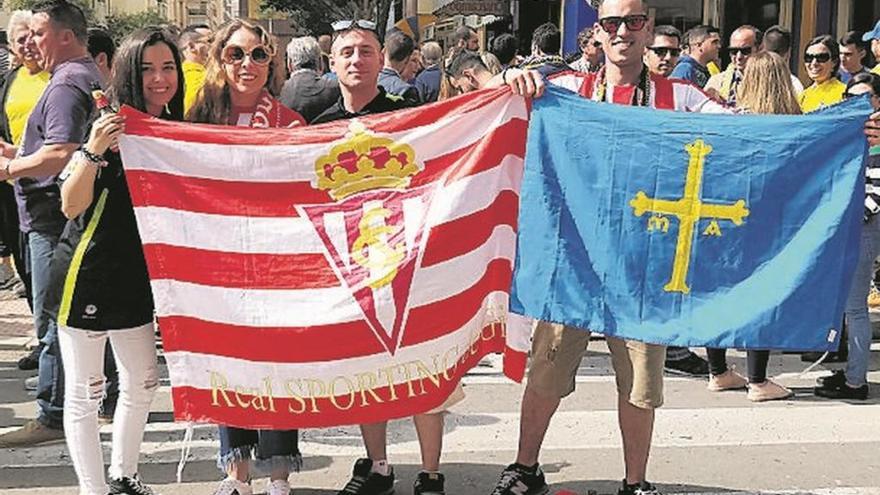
339, 274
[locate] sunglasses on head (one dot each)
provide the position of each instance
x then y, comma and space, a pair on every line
352, 24
662, 51
734, 50
818, 57
234, 54
635, 22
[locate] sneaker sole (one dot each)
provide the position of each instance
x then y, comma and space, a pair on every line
677, 372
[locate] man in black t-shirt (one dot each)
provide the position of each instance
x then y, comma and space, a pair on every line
357, 61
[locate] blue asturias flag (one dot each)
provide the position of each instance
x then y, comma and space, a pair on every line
691, 230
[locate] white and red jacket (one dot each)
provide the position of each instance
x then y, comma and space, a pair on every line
666, 94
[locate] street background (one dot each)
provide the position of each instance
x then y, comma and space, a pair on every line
703, 442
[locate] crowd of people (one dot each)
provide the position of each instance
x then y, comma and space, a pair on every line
67, 221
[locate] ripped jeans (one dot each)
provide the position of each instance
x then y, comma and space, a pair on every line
83, 355
267, 450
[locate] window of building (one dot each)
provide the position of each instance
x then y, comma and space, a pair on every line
683, 14
759, 13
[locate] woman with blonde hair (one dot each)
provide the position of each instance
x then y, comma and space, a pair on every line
766, 88
230, 83
243, 76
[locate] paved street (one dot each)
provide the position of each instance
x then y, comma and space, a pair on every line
704, 442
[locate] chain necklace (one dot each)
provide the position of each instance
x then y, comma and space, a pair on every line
641, 95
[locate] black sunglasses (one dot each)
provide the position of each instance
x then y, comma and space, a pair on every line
662, 51
819, 57
745, 50
635, 22
351, 24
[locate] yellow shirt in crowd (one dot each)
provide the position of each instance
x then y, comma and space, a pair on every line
193, 80
822, 95
26, 89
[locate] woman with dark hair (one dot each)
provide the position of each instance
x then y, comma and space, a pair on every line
852, 383
243, 75
822, 59
100, 276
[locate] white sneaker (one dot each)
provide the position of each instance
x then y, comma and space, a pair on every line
278, 487
31, 384
231, 486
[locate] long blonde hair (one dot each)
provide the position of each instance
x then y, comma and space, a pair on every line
212, 103
766, 86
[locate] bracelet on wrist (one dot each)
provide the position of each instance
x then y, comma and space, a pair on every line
6, 169
93, 158
504, 76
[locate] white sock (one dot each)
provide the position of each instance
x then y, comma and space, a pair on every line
382, 467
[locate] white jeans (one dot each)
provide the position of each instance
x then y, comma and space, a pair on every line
82, 352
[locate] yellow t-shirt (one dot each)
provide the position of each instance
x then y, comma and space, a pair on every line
823, 95
193, 80
23, 95
876, 69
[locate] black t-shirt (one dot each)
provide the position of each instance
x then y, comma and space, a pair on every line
99, 275
384, 102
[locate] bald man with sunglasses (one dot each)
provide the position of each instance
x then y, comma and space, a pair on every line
744, 42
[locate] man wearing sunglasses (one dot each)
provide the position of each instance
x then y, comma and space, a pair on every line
591, 52
625, 31
662, 56
703, 44
744, 41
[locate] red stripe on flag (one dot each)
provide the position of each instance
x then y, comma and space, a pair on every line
140, 124
244, 270
220, 197
321, 403
322, 343
276, 199
453, 239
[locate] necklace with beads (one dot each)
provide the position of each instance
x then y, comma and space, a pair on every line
641, 96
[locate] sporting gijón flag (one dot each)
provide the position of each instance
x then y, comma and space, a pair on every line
338, 274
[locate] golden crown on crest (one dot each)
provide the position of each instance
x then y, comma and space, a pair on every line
365, 162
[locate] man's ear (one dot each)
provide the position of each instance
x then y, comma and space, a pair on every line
101, 60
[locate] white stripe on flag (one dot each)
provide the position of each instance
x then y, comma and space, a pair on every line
295, 235
268, 163
311, 307
193, 369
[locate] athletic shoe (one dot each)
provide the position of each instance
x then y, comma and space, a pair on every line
729, 380
129, 486
837, 378
517, 479
365, 482
643, 488
842, 392
31, 434
32, 383
769, 390
692, 365
429, 484
231, 486
278, 487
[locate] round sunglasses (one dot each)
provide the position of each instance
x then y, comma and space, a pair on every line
234, 54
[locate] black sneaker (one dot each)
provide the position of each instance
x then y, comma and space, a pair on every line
643, 488
429, 484
365, 482
31, 361
692, 365
517, 479
129, 486
844, 391
837, 378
